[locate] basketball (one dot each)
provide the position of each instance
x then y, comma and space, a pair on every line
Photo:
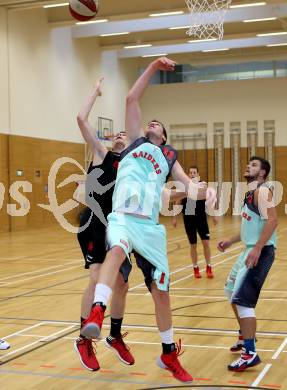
83, 10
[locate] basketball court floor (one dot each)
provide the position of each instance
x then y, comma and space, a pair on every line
225, 102
41, 288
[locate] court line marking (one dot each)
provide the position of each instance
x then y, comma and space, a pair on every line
214, 265
269, 365
142, 284
20, 331
152, 343
46, 338
41, 275
41, 270
82, 378
79, 265
151, 327
73, 325
198, 330
175, 240
203, 288
207, 297
189, 266
280, 349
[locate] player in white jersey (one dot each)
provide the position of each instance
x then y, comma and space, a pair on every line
133, 224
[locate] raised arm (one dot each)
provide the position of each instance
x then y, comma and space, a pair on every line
88, 132
194, 191
133, 112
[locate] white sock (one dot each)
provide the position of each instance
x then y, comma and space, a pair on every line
102, 293
167, 336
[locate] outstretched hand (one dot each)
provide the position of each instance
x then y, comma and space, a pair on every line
98, 85
164, 63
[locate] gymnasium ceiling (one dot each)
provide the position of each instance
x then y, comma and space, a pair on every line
132, 16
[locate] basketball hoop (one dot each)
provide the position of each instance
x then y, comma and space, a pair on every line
206, 18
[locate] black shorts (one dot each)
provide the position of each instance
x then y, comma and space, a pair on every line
147, 269
196, 224
248, 293
93, 244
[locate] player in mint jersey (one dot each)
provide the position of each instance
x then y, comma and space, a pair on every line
244, 283
133, 225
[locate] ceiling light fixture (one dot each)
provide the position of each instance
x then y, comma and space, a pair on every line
155, 55
258, 20
113, 34
137, 46
55, 5
166, 14
248, 5
178, 28
93, 21
202, 40
210, 50
277, 44
272, 34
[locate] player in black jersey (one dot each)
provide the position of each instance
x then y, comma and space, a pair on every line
195, 221
92, 233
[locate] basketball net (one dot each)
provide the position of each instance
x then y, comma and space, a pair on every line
206, 18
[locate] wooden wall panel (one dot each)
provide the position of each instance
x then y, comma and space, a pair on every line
228, 173
4, 179
31, 155
280, 175
210, 165
243, 161
206, 166
197, 157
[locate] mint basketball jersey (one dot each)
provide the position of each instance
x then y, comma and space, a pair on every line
142, 173
252, 223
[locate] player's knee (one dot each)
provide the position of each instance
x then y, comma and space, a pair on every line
205, 243
124, 288
245, 312
160, 297
94, 274
117, 253
121, 287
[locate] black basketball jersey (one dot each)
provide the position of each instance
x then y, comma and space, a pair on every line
100, 184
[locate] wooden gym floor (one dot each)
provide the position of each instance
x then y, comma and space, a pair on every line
41, 284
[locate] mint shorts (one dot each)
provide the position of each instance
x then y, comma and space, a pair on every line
143, 236
243, 284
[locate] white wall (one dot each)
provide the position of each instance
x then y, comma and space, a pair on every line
51, 75
4, 100
227, 101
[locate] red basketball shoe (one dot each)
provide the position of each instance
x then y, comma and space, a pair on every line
120, 348
196, 271
93, 324
171, 363
209, 272
86, 352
